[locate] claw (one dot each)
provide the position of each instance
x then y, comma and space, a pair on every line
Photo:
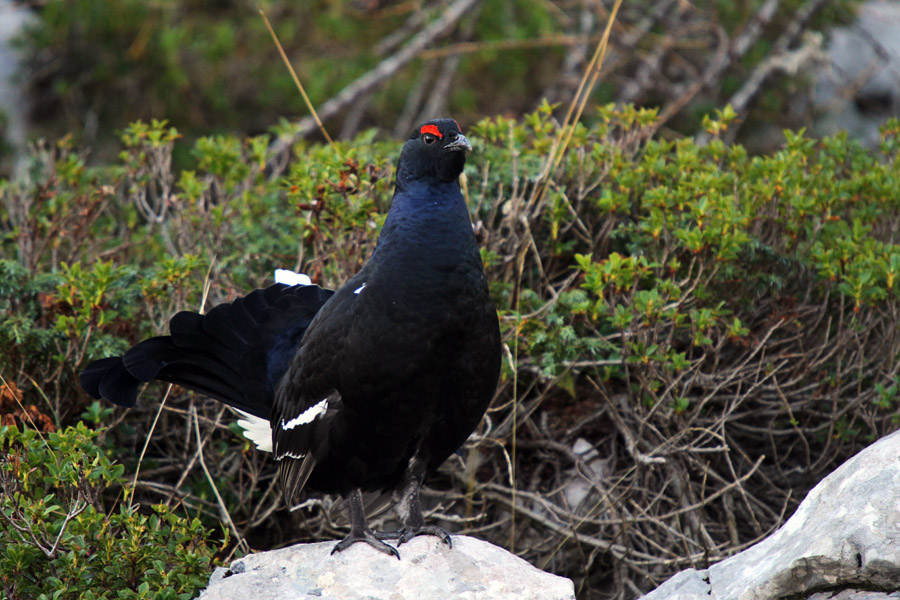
368, 536
407, 533
359, 529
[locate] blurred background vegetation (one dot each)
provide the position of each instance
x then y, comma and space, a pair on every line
695, 332
94, 66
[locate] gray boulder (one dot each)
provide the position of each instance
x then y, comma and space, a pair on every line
859, 86
15, 17
845, 536
429, 570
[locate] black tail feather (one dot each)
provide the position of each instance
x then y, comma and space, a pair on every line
236, 353
108, 378
194, 367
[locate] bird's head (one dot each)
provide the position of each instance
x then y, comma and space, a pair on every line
435, 152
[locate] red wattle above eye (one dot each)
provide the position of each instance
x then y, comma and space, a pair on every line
432, 129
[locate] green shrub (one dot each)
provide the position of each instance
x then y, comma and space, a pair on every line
60, 542
720, 327
711, 322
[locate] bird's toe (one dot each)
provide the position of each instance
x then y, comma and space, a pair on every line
407, 533
368, 537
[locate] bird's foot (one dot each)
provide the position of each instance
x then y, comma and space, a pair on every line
371, 538
407, 533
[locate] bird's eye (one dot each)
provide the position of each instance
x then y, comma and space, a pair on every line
429, 138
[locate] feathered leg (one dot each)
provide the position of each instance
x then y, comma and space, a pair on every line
411, 513
359, 529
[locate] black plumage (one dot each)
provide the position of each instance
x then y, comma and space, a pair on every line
371, 387
236, 353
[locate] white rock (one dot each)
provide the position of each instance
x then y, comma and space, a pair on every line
428, 570
577, 488
844, 536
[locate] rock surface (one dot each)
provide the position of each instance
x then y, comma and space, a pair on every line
844, 537
15, 17
859, 86
429, 570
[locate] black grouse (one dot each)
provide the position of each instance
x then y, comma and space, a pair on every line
369, 388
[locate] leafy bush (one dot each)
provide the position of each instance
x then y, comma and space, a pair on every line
718, 329
59, 541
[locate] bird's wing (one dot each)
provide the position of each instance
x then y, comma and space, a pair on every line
299, 436
307, 417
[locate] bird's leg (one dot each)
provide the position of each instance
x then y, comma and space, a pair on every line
359, 529
411, 513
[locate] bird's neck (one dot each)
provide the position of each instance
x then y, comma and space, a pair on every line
429, 219
422, 190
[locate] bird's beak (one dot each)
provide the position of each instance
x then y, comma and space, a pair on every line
461, 142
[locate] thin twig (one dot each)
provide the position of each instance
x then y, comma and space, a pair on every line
224, 509
290, 67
